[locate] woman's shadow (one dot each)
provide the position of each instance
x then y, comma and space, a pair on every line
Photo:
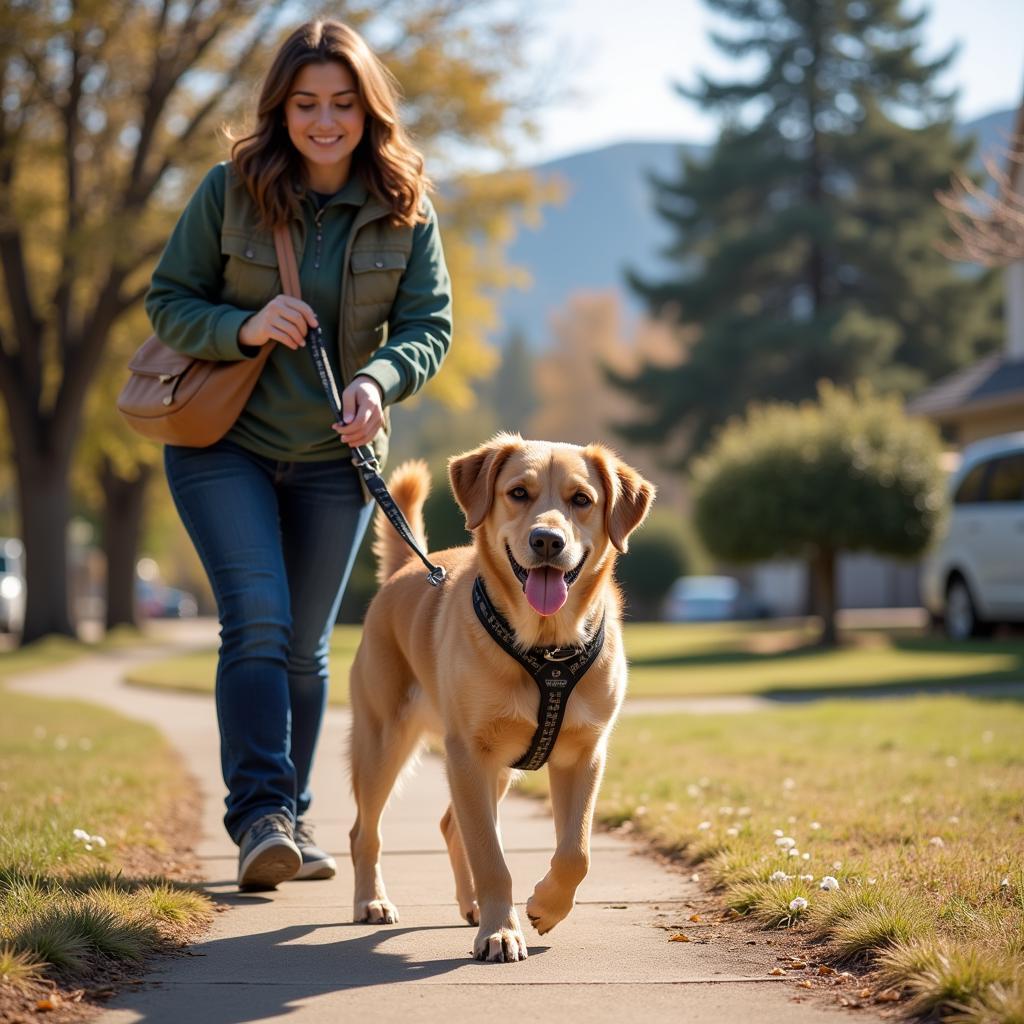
265, 975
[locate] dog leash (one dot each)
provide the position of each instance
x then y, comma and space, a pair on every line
365, 459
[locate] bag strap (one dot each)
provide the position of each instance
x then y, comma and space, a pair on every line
286, 265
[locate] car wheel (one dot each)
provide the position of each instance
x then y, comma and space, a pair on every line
961, 617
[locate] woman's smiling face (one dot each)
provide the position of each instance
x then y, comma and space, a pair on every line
325, 119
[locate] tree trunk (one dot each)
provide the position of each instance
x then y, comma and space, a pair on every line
44, 502
823, 568
123, 514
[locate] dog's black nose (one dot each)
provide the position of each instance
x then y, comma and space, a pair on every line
546, 541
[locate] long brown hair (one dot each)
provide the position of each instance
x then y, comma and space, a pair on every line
271, 167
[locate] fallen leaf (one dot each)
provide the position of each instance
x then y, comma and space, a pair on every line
796, 965
777, 972
890, 995
806, 983
695, 917
679, 937
864, 993
824, 969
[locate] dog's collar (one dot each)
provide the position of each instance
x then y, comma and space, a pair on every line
555, 670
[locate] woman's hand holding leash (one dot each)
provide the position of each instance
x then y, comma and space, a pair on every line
283, 319
362, 412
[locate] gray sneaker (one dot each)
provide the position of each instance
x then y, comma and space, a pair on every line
267, 854
316, 863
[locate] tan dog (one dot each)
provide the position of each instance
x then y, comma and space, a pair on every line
548, 521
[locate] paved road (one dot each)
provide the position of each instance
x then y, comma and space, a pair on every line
295, 954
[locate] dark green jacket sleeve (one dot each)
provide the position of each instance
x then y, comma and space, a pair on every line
420, 325
183, 301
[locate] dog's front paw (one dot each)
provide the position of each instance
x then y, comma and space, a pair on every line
503, 945
375, 912
547, 906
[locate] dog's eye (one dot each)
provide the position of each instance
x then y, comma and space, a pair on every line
582, 500
518, 494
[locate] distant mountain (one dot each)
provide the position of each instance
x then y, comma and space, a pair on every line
608, 222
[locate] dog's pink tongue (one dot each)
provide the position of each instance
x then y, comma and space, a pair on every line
546, 590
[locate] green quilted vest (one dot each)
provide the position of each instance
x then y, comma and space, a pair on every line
375, 257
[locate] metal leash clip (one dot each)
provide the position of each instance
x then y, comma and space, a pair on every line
364, 455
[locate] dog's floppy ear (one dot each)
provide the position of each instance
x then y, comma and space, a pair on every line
473, 474
628, 495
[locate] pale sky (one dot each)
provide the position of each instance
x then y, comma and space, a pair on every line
621, 56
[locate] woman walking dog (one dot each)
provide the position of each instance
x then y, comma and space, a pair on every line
276, 509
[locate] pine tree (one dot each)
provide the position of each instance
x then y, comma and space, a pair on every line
806, 242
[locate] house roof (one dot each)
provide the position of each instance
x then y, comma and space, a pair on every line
995, 381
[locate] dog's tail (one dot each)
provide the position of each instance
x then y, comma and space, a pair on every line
409, 485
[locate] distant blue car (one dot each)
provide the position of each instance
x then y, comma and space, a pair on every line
157, 601
711, 599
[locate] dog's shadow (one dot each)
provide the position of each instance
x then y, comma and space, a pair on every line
264, 976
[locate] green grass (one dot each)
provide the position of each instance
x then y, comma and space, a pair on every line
720, 658
914, 805
66, 902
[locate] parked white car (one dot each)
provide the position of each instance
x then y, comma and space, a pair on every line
974, 579
12, 585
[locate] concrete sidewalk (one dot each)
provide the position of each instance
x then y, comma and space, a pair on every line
294, 954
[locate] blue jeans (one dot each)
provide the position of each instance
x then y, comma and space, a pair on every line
277, 540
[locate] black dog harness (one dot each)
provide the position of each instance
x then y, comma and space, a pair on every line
555, 670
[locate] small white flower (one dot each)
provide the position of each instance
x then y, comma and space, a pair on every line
732, 831
953, 820
692, 790
872, 881
725, 810
80, 833
815, 825
779, 876
951, 761
778, 832
788, 783
743, 811
695, 877
792, 819
61, 743
1005, 883
807, 878
907, 798
785, 842
838, 865
793, 853
805, 856
639, 812
88, 846
798, 904
829, 883
704, 826
98, 840
936, 841
704, 782
671, 806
